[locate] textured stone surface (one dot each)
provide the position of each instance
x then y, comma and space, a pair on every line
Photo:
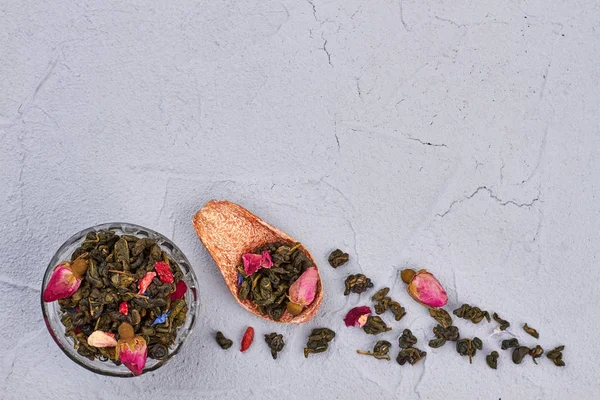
458, 136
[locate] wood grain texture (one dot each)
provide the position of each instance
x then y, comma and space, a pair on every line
228, 231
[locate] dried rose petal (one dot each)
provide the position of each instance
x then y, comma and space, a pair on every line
164, 272
145, 282
265, 260
124, 308
251, 263
357, 316
303, 291
131, 349
180, 289
254, 262
102, 339
63, 283
427, 290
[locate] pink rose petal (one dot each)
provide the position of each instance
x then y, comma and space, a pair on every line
62, 284
427, 290
133, 353
102, 339
265, 260
357, 316
251, 263
304, 289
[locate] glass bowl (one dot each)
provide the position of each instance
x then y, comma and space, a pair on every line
52, 312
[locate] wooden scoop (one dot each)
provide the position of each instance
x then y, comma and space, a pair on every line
228, 231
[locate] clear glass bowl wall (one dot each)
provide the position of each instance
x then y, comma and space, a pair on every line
52, 312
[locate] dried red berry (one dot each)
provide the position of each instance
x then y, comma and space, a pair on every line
164, 272
247, 339
123, 308
180, 289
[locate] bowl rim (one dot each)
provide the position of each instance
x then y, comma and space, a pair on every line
192, 287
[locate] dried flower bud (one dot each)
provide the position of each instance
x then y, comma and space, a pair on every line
303, 291
131, 349
63, 283
102, 339
425, 288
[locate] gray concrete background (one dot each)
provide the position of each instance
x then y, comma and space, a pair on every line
461, 137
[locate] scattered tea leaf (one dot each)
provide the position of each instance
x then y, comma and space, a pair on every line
441, 316
382, 305
536, 352
380, 294
531, 331
508, 343
519, 353
469, 347
338, 258
411, 355
375, 325
223, 341
398, 311
407, 339
380, 350
358, 283
492, 359
275, 342
474, 314
442, 334
504, 324
318, 341
556, 356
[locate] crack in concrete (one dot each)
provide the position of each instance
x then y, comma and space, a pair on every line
18, 285
324, 48
24, 107
541, 151
416, 387
404, 24
314, 9
426, 143
492, 196
355, 246
164, 202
